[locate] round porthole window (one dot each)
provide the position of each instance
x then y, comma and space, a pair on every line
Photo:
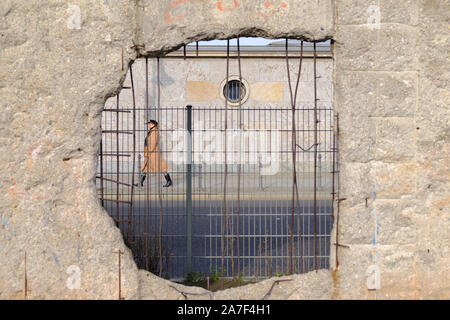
234, 90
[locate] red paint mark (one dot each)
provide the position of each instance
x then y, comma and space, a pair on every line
220, 7
14, 191
36, 150
168, 17
269, 11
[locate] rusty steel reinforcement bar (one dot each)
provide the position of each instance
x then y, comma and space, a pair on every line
119, 253
115, 200
118, 131
333, 173
293, 97
130, 213
338, 193
224, 204
159, 168
189, 189
315, 158
101, 173
116, 110
25, 278
114, 181
115, 155
147, 196
117, 158
239, 166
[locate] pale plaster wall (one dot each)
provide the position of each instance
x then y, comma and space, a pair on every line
197, 82
391, 96
176, 75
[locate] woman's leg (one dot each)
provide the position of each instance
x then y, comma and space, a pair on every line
168, 179
143, 176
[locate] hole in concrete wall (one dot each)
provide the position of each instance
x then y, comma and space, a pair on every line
210, 191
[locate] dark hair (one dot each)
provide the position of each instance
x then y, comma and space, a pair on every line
153, 121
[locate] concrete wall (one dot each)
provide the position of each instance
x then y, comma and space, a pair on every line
391, 95
394, 137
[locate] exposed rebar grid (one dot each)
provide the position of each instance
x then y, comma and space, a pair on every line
267, 227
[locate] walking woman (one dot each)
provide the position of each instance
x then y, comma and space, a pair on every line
154, 161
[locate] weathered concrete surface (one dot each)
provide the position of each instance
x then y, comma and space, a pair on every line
56, 75
392, 99
185, 21
295, 287
53, 83
60, 61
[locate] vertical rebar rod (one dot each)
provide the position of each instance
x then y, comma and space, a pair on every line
25, 278
101, 172
333, 172
130, 214
159, 169
338, 194
119, 253
189, 188
238, 209
117, 160
293, 97
224, 204
147, 197
315, 157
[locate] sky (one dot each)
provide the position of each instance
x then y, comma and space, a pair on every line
244, 41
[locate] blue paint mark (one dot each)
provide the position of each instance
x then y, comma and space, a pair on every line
373, 213
378, 225
374, 192
54, 256
106, 1
374, 241
4, 222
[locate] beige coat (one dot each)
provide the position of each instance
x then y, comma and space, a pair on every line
154, 161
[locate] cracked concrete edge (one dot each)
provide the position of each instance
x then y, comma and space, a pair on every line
294, 287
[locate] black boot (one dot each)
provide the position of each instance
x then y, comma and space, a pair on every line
168, 180
142, 180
